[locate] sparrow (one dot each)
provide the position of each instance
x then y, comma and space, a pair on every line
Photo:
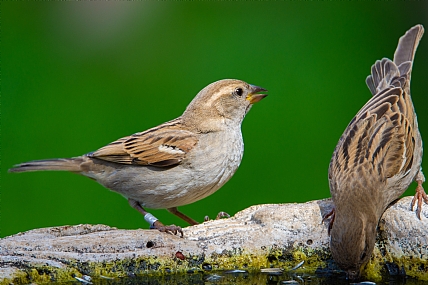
176, 163
376, 159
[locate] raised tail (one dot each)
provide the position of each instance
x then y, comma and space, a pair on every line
59, 164
386, 73
407, 45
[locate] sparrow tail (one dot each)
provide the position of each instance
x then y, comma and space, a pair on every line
59, 164
386, 73
407, 45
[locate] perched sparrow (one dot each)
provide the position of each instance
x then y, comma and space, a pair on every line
176, 163
376, 159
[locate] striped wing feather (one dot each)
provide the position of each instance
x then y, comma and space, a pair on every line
162, 146
379, 138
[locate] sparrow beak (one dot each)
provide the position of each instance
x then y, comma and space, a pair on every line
353, 274
254, 95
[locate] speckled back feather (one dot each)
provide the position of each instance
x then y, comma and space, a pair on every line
380, 141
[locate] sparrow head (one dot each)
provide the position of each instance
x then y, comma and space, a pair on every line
221, 103
352, 242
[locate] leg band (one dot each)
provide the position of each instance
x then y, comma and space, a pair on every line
150, 219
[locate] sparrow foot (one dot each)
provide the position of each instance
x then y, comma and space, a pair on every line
172, 229
219, 216
222, 215
331, 214
153, 221
420, 196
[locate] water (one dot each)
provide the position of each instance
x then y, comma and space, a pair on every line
243, 277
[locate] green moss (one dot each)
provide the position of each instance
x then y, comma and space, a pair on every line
373, 269
285, 258
414, 267
299, 255
275, 256
19, 278
152, 266
41, 275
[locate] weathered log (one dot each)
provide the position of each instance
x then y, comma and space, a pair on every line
262, 236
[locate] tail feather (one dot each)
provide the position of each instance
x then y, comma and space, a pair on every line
386, 73
407, 45
59, 164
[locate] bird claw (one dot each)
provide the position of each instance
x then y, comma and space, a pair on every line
222, 215
172, 229
331, 214
219, 216
420, 196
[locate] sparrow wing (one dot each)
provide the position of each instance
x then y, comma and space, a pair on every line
380, 139
162, 146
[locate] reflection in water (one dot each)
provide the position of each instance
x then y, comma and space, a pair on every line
237, 277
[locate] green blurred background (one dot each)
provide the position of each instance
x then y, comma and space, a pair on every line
78, 75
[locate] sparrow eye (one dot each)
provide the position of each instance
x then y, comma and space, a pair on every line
239, 91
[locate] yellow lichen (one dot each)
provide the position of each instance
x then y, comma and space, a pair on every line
151, 266
372, 271
157, 266
299, 256
19, 278
373, 268
414, 267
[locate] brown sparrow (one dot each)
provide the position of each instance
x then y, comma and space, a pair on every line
176, 163
376, 159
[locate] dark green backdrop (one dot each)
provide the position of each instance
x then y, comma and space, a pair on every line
78, 75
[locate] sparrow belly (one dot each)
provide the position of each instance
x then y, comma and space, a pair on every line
202, 173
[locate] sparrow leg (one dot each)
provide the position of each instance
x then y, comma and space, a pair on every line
182, 216
419, 196
332, 213
219, 216
153, 221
